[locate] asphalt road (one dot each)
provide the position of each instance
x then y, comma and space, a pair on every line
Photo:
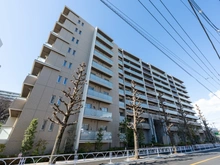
203, 158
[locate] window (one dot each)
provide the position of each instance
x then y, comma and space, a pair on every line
58, 101
82, 24
73, 38
65, 81
64, 63
77, 41
79, 21
106, 93
52, 99
85, 127
59, 79
76, 30
51, 126
74, 52
80, 32
70, 65
91, 88
44, 125
88, 105
69, 50
104, 109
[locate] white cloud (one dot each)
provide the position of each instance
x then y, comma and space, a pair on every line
211, 109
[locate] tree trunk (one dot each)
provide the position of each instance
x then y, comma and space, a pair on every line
57, 144
136, 156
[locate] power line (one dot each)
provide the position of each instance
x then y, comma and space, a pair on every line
145, 37
190, 38
204, 29
173, 37
196, 18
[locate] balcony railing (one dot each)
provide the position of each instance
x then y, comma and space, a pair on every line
5, 132
120, 62
170, 104
100, 96
154, 108
133, 72
121, 118
104, 48
121, 104
98, 114
104, 58
130, 59
131, 65
102, 68
92, 135
144, 125
151, 92
121, 92
104, 39
101, 81
152, 99
121, 81
163, 90
135, 79
161, 74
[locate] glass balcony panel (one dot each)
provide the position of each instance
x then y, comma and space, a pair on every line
122, 118
166, 86
104, 47
92, 135
189, 110
120, 71
121, 81
104, 58
101, 80
102, 68
163, 90
169, 98
121, 92
152, 99
150, 79
151, 92
154, 108
99, 95
120, 62
161, 74
97, 113
169, 104
121, 104
135, 79
133, 72
104, 39
130, 59
133, 66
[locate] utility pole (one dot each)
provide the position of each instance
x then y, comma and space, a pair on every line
207, 130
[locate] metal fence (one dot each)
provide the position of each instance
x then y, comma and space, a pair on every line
107, 155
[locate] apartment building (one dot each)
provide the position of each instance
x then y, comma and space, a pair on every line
109, 70
7, 95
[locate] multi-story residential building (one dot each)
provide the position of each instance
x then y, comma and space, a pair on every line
109, 73
8, 95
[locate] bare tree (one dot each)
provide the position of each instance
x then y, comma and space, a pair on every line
207, 131
135, 105
4, 105
185, 124
72, 104
166, 120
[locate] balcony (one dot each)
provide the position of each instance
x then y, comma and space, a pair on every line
30, 80
105, 40
135, 79
5, 132
121, 118
120, 54
148, 73
107, 50
151, 92
143, 105
17, 106
122, 137
120, 62
121, 92
97, 114
170, 104
131, 59
174, 128
131, 65
189, 110
159, 73
155, 108
144, 126
152, 99
103, 58
192, 117
170, 111
91, 136
194, 123
53, 37
149, 79
186, 104
120, 71
184, 98
161, 84
121, 104
99, 96
163, 90
39, 63
121, 81
102, 68
181, 92
133, 72
101, 81
168, 98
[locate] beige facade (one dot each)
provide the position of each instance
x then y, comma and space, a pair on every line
109, 73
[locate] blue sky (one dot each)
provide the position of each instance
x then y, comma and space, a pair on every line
25, 26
